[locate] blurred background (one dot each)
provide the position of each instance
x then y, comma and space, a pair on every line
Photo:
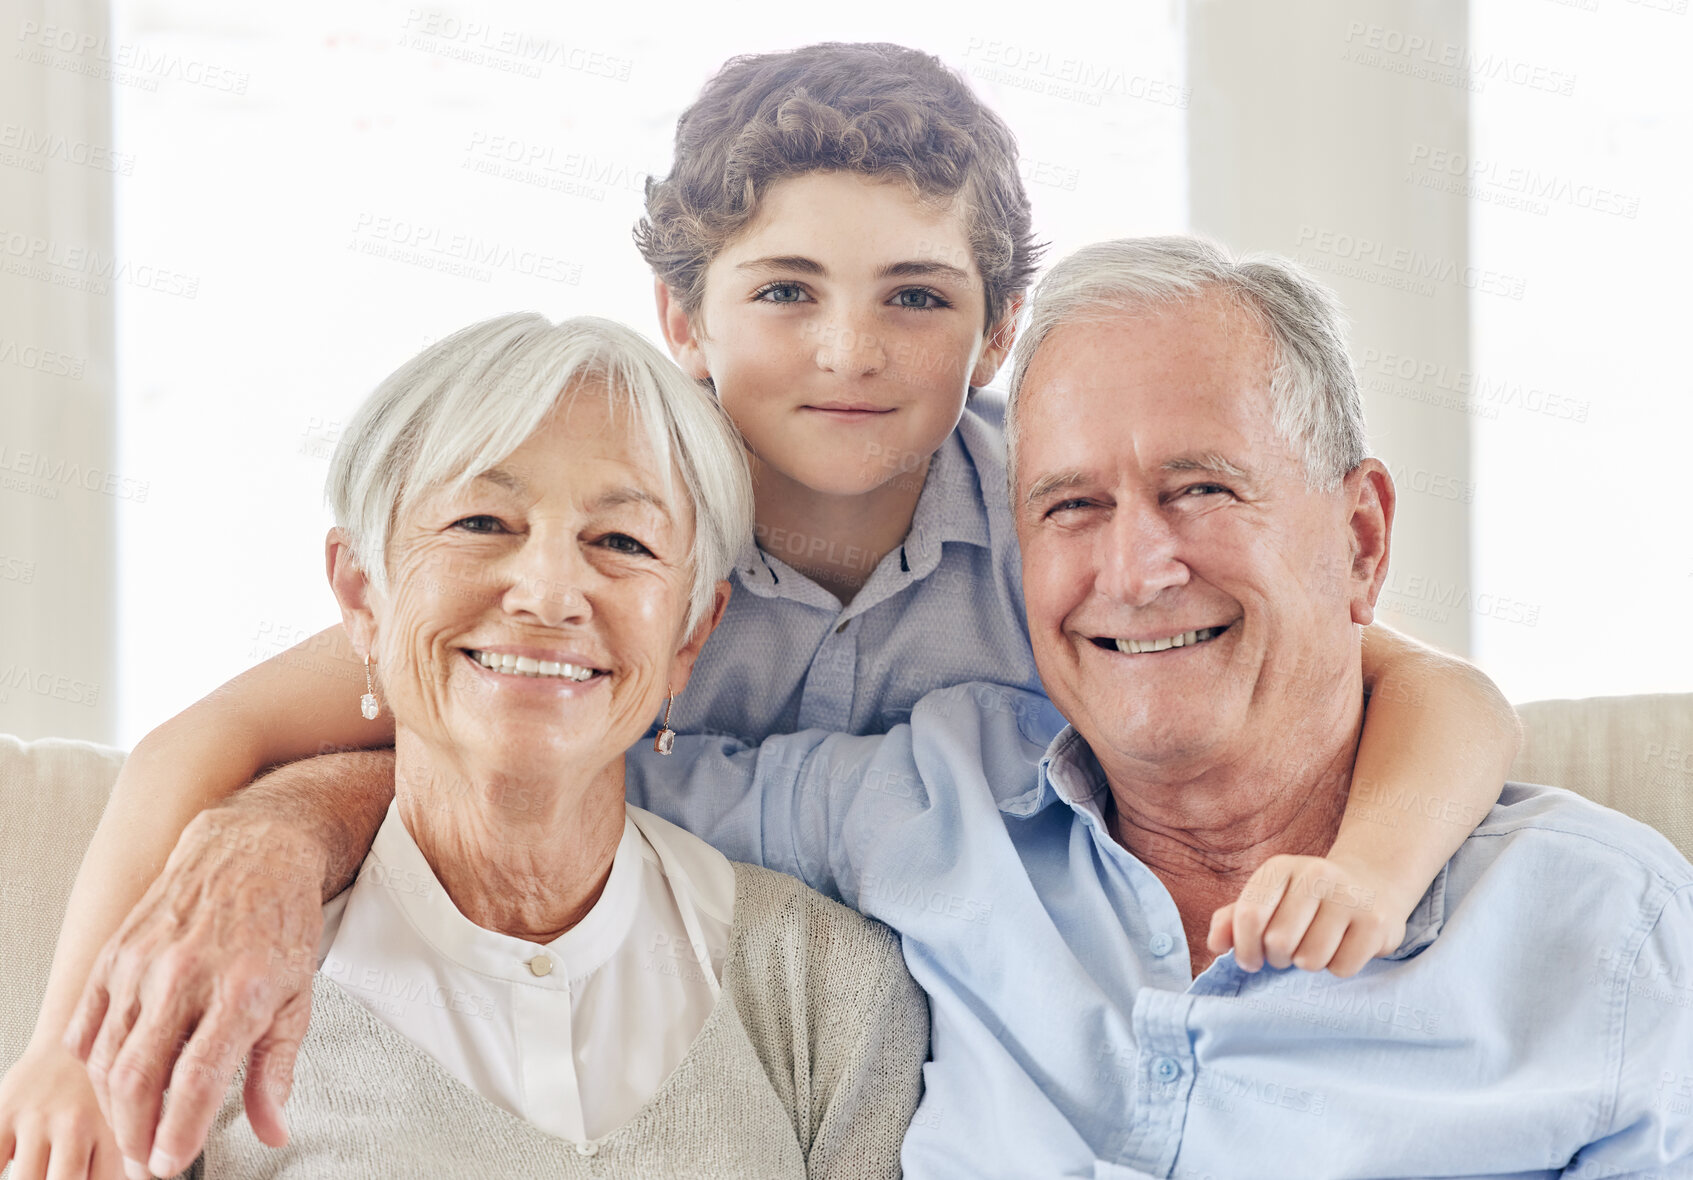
221, 225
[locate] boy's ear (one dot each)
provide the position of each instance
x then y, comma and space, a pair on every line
678, 328
352, 590
998, 345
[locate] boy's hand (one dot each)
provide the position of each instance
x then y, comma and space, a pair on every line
50, 1123
1309, 912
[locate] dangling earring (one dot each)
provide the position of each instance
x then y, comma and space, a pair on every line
367, 703
666, 739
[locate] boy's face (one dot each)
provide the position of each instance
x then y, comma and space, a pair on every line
842, 330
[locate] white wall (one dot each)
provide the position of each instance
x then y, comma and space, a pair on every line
60, 483
1303, 118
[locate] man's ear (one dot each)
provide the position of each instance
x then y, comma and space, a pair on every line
999, 342
683, 666
352, 590
678, 328
1371, 498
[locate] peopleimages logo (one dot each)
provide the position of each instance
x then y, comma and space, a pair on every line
45, 474
1444, 61
1412, 265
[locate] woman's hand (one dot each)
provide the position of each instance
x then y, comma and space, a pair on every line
1310, 912
51, 1127
214, 964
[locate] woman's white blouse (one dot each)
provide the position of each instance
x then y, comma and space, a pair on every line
574, 1035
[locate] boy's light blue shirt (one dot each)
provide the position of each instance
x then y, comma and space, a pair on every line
944, 608
1536, 1021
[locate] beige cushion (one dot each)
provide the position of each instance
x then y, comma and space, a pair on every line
51, 795
1631, 753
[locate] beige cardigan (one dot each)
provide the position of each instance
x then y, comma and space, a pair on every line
809, 1066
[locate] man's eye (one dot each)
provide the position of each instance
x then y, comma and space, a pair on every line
624, 543
781, 293
920, 299
479, 524
1205, 489
1066, 506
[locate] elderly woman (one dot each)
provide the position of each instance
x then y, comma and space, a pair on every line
531, 977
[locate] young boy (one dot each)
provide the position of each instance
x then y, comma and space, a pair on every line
841, 249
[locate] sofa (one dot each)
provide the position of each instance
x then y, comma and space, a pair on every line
1631, 753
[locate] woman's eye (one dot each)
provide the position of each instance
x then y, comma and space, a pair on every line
920, 298
781, 293
624, 543
479, 524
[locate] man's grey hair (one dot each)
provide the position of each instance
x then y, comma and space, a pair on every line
1316, 407
462, 405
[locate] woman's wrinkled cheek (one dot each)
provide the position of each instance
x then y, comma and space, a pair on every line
428, 598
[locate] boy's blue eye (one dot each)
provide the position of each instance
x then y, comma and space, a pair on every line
781, 293
920, 299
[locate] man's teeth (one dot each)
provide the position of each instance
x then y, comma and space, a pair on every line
524, 666
1135, 647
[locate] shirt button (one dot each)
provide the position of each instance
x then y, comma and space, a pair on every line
540, 965
587, 1149
1161, 944
1166, 1069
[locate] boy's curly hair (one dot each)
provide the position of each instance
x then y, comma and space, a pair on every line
875, 109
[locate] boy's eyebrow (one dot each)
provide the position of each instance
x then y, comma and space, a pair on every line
922, 269
916, 268
788, 263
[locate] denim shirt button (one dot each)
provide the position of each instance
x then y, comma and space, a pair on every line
1162, 944
1166, 1069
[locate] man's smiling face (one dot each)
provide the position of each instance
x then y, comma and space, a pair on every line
1189, 596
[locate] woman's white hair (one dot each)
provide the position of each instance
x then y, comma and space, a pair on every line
462, 405
1313, 389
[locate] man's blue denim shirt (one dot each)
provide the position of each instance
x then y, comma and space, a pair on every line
1536, 1021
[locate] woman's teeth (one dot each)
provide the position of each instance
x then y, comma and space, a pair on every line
524, 666
1135, 647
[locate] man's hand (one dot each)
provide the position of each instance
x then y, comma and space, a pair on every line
1309, 912
215, 963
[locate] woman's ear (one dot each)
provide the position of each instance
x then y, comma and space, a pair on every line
998, 344
352, 590
683, 666
678, 328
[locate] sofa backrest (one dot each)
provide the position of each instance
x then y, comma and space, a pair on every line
1634, 754
51, 795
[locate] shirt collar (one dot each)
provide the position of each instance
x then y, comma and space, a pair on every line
395, 861
950, 507
1070, 774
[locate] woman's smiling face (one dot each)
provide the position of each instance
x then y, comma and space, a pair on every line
535, 618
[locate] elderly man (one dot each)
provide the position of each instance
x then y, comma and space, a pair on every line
1202, 535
